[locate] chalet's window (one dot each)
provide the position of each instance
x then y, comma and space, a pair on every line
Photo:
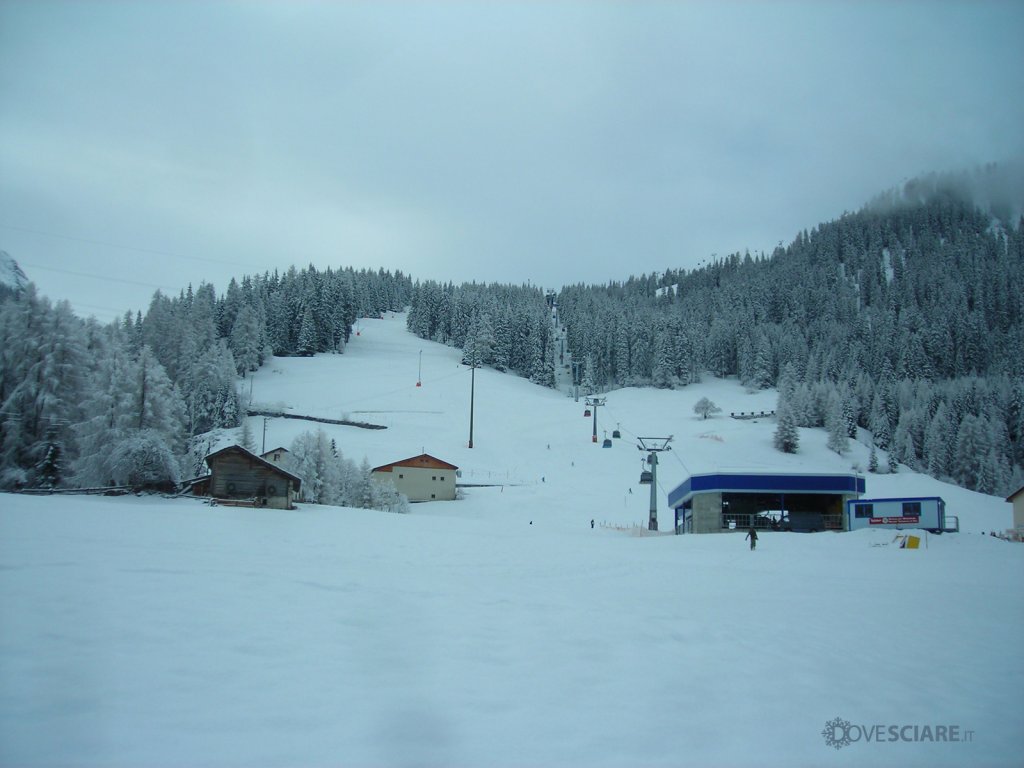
434, 477
401, 476
911, 508
864, 510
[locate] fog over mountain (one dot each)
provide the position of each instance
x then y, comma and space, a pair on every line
144, 146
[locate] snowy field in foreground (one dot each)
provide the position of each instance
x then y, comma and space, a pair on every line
145, 632
500, 629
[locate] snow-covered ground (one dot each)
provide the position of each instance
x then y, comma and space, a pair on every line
501, 629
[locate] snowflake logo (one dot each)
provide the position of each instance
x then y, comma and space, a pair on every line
834, 727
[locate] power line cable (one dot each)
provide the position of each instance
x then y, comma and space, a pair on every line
118, 312
152, 251
124, 280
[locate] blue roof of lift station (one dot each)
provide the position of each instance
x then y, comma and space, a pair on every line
737, 482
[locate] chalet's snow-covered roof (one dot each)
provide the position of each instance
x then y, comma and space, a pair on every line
254, 458
423, 461
279, 449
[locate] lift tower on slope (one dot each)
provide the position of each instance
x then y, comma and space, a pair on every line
653, 446
595, 403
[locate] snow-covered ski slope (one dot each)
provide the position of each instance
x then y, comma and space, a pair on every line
501, 629
539, 440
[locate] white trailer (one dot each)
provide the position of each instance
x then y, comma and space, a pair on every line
927, 512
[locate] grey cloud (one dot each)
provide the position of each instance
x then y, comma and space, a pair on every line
493, 141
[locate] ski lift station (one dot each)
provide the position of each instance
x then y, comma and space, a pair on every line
724, 501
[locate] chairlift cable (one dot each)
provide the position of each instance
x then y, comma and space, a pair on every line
681, 463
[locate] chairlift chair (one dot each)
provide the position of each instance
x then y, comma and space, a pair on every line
646, 478
586, 413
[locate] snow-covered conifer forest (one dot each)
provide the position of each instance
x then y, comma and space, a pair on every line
904, 319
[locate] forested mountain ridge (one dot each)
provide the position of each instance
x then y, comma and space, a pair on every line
905, 319
89, 404
933, 290
503, 326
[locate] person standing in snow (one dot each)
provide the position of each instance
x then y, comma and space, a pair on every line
752, 535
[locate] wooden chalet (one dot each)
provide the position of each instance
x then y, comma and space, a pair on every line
238, 475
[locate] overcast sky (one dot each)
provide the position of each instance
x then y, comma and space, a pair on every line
153, 144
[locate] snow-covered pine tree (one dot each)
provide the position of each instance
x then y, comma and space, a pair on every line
503, 342
970, 452
903, 449
385, 496
479, 346
156, 403
106, 410
879, 423
587, 383
246, 341
145, 460
306, 345
148, 426
319, 467
787, 437
663, 374
42, 363
246, 439
49, 470
363, 492
762, 371
836, 426
212, 400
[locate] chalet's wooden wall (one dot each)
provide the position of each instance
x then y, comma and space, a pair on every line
235, 477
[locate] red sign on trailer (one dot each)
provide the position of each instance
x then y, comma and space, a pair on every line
927, 512
894, 520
